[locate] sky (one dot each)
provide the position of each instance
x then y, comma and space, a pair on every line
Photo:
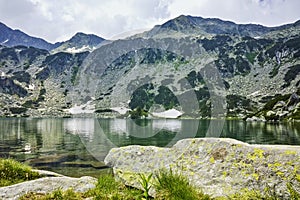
59, 20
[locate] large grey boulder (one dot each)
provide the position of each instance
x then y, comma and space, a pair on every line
47, 185
218, 166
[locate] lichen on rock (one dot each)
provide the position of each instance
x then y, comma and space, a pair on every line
47, 185
218, 166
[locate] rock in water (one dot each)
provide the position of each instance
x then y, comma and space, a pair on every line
218, 166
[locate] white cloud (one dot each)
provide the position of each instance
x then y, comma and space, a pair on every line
266, 12
58, 20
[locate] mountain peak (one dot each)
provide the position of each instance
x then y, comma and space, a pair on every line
80, 42
191, 25
2, 25
10, 37
90, 38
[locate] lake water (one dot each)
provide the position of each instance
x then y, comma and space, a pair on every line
78, 146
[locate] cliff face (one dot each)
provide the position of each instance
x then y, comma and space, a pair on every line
202, 67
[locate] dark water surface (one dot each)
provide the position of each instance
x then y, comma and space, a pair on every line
78, 146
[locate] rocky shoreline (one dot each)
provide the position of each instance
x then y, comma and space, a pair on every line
218, 166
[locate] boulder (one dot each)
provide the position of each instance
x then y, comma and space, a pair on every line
256, 119
218, 166
279, 105
47, 185
293, 100
282, 113
270, 113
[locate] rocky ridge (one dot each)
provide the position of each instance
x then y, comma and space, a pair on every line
10, 38
80, 42
200, 67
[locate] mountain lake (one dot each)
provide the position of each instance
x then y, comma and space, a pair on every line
78, 146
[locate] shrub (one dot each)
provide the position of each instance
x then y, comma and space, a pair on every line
166, 98
138, 113
17, 110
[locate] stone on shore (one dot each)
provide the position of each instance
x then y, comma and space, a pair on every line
218, 166
47, 185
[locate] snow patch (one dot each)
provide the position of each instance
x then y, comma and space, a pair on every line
172, 114
254, 93
81, 109
120, 110
31, 87
78, 50
5, 41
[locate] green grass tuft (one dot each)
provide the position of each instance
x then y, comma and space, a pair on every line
176, 187
168, 186
13, 172
59, 194
110, 189
145, 183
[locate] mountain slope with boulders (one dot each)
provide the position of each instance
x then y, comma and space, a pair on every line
204, 68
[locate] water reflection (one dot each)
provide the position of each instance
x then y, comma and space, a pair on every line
83, 127
84, 139
47, 135
263, 133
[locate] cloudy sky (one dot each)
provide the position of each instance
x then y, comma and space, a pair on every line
57, 20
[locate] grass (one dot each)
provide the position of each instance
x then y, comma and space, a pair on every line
167, 184
106, 188
251, 57
176, 187
13, 172
145, 183
56, 195
110, 189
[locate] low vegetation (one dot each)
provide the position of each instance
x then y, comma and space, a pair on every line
144, 97
13, 172
108, 188
167, 184
176, 187
291, 74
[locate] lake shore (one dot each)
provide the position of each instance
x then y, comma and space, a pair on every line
209, 164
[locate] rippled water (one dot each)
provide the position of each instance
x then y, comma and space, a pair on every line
76, 146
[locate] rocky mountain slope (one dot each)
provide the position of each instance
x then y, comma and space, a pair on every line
10, 38
201, 67
80, 42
